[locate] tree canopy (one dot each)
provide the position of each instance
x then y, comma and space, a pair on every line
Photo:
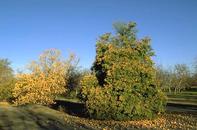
47, 78
122, 85
6, 80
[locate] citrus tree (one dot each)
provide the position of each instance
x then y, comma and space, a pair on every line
122, 85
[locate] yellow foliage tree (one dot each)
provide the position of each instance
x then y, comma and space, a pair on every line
47, 78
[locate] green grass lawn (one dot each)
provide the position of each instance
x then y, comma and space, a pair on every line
184, 102
188, 97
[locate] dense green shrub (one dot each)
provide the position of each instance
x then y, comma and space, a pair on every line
122, 85
6, 80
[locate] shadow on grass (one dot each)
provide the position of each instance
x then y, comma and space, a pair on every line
79, 109
182, 108
72, 108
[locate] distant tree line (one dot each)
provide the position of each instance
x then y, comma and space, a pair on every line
176, 79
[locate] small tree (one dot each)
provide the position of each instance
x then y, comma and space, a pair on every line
181, 77
194, 76
164, 79
6, 80
47, 78
122, 85
73, 85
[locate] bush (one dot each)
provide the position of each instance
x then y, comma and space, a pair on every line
122, 85
74, 76
6, 80
47, 79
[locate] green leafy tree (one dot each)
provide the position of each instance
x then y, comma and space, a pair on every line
6, 80
122, 85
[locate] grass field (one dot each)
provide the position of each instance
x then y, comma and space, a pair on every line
36, 117
181, 114
188, 97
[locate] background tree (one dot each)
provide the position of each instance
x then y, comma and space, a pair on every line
194, 76
174, 79
122, 85
181, 77
6, 80
75, 75
46, 79
164, 79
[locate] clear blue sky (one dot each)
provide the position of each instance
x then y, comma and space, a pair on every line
27, 27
